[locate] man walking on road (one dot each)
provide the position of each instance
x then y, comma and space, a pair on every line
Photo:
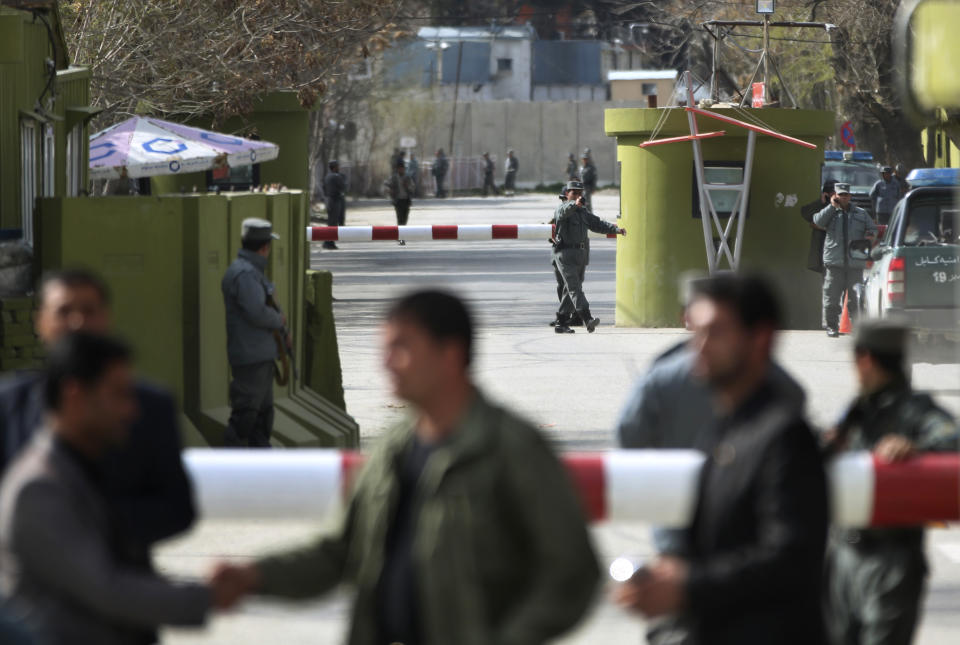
335, 191
884, 195
876, 577
400, 188
488, 183
440, 167
463, 527
252, 327
752, 573
843, 224
511, 166
572, 224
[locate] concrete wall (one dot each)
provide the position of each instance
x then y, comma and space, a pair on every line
665, 238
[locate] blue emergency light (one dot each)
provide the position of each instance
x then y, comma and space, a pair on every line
934, 177
837, 155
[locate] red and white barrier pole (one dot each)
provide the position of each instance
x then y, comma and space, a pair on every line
655, 486
470, 232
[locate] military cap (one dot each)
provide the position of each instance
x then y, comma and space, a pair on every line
841, 189
255, 229
573, 184
586, 152
882, 337
886, 169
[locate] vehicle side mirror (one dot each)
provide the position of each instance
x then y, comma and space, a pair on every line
859, 249
878, 252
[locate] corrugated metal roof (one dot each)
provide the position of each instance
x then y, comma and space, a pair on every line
512, 32
567, 62
641, 74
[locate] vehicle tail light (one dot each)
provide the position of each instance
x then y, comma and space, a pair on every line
896, 280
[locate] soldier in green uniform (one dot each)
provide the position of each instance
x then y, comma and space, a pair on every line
573, 221
876, 577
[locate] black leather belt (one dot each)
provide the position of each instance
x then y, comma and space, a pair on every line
563, 247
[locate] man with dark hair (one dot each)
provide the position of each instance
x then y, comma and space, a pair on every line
335, 192
252, 320
60, 566
439, 170
147, 492
876, 577
588, 177
817, 234
400, 188
463, 527
884, 195
752, 571
488, 182
510, 167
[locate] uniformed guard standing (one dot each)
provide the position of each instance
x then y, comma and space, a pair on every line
251, 343
439, 170
843, 224
884, 195
876, 577
335, 192
573, 170
588, 177
572, 222
488, 182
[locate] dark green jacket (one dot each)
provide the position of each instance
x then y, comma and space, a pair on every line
573, 225
501, 551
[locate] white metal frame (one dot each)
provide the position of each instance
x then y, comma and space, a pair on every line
28, 177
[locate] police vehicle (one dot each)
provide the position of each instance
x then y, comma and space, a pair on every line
915, 271
855, 168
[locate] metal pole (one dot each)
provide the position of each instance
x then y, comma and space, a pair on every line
744, 198
766, 48
714, 86
456, 91
698, 167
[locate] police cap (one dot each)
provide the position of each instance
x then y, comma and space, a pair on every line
886, 170
255, 229
882, 337
573, 184
841, 189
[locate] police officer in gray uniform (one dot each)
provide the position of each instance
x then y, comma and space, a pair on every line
843, 223
884, 195
588, 177
573, 221
876, 577
251, 344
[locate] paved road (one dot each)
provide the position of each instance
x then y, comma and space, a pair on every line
521, 362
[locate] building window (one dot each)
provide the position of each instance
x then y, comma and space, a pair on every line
48, 159
504, 65
719, 173
28, 174
648, 89
74, 160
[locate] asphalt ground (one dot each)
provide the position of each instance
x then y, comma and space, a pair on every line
571, 386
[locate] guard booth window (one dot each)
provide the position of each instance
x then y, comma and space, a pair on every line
74, 160
28, 174
719, 173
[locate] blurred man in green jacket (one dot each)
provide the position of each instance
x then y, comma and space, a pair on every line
463, 527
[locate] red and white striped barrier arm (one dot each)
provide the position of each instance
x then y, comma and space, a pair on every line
655, 486
470, 232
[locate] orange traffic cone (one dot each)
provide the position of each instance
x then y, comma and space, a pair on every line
845, 326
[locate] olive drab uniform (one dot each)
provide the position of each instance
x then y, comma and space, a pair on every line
876, 577
588, 177
570, 248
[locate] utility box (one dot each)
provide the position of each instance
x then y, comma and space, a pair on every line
661, 212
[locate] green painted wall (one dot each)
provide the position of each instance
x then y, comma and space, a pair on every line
163, 258
664, 239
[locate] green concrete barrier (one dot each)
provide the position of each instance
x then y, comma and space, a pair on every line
163, 258
665, 235
321, 368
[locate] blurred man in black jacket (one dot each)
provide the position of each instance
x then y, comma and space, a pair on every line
753, 573
148, 493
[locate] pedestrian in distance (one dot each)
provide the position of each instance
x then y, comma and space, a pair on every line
876, 577
843, 223
61, 569
400, 188
573, 170
440, 167
335, 192
413, 169
255, 327
572, 224
588, 177
884, 195
463, 527
143, 481
900, 175
753, 568
511, 166
488, 182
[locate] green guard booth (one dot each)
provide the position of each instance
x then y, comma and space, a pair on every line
660, 211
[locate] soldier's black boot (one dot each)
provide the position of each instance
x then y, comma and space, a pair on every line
559, 319
562, 329
589, 321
